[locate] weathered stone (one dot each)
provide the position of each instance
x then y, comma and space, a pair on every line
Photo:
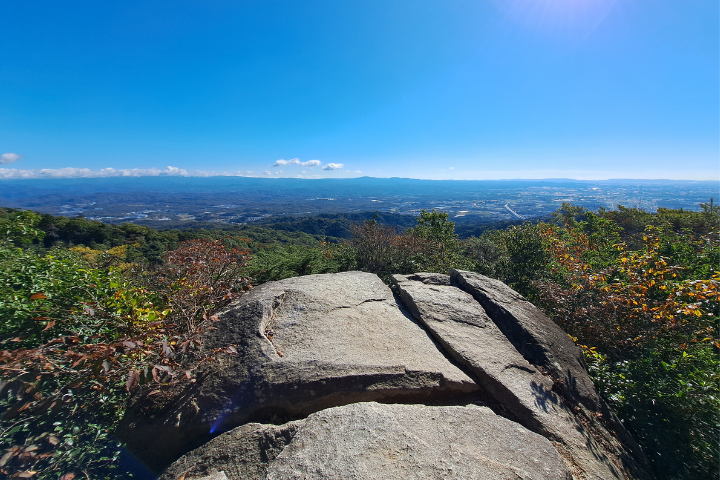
242, 453
212, 476
545, 345
540, 340
303, 344
461, 325
379, 441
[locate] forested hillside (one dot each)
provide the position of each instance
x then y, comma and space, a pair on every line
90, 311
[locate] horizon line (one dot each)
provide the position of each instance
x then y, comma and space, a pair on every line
163, 174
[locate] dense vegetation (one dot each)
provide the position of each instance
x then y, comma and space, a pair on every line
89, 311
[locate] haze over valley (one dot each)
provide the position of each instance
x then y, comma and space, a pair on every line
165, 202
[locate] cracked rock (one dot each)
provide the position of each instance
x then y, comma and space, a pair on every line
384, 442
464, 329
303, 344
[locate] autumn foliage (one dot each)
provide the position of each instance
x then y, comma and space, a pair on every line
83, 327
645, 309
81, 330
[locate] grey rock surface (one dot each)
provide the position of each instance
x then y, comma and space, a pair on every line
540, 340
212, 476
242, 453
303, 344
461, 325
379, 441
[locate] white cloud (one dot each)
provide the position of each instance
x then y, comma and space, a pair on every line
267, 172
296, 161
279, 172
9, 157
333, 166
70, 172
281, 162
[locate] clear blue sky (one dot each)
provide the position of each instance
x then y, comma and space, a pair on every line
424, 89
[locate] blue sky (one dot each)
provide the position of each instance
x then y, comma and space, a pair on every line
479, 89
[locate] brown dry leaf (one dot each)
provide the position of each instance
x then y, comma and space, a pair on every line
67, 476
6, 458
49, 326
133, 380
38, 296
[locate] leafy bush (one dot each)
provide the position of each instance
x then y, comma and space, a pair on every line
78, 335
646, 312
277, 262
518, 256
431, 246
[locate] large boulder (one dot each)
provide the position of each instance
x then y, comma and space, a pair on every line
296, 361
376, 441
471, 337
540, 340
302, 345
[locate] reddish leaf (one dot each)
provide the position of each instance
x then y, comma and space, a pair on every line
37, 296
133, 380
49, 326
78, 361
67, 476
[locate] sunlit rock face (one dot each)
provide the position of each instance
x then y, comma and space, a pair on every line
337, 376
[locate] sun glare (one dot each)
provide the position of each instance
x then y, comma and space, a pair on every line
557, 16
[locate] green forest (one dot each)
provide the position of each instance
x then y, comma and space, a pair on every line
90, 311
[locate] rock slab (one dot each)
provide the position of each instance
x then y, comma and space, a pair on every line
463, 327
303, 344
379, 441
540, 340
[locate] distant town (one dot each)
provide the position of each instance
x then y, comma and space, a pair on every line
182, 202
